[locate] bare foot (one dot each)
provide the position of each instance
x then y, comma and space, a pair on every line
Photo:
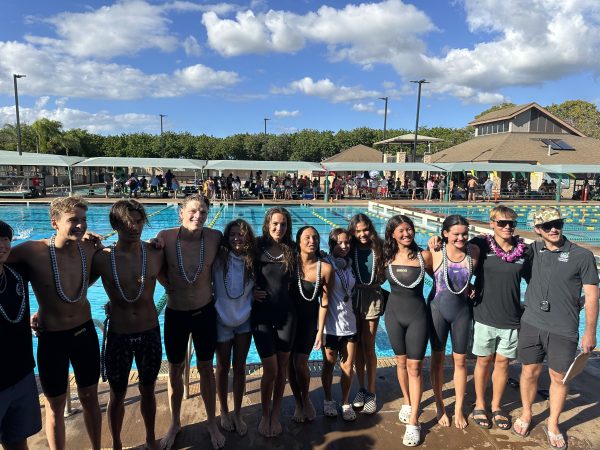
298, 416
309, 411
240, 425
264, 428
167, 442
226, 422
216, 437
459, 420
442, 418
276, 427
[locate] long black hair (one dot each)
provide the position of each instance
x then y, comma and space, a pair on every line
249, 247
390, 246
376, 242
287, 243
298, 236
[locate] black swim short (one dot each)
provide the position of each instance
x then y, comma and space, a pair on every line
273, 330
201, 323
334, 342
56, 349
536, 344
146, 347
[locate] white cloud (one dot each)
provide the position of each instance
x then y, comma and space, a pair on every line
98, 122
325, 89
124, 28
50, 73
191, 46
285, 113
364, 107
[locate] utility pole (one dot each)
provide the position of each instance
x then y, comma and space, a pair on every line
420, 82
384, 116
161, 123
15, 76
265, 119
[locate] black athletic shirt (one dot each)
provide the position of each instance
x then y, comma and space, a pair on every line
499, 281
16, 347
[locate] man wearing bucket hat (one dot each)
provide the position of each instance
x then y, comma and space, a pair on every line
550, 323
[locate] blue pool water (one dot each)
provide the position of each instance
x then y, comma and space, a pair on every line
32, 222
582, 222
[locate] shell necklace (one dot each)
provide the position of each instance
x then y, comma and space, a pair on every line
180, 259
271, 257
360, 280
414, 283
344, 279
317, 282
84, 280
226, 277
20, 290
445, 269
113, 264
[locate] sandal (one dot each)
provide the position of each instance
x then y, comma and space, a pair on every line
348, 413
412, 435
359, 399
503, 424
404, 413
370, 403
524, 426
556, 437
330, 408
481, 422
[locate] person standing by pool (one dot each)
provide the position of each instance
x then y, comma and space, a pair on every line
560, 270
406, 318
451, 312
190, 251
497, 311
313, 285
129, 269
430, 185
59, 273
471, 187
369, 304
19, 403
340, 325
233, 283
274, 313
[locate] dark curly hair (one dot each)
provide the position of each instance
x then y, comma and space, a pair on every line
376, 243
249, 248
390, 246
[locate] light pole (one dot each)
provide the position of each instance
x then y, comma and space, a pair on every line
420, 82
15, 76
161, 123
265, 119
384, 116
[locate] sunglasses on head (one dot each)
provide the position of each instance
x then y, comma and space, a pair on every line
503, 223
558, 224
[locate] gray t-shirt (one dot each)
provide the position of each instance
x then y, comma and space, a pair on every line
559, 276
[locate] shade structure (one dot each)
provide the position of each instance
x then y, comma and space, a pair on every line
407, 139
163, 163
491, 167
272, 166
572, 168
381, 166
9, 158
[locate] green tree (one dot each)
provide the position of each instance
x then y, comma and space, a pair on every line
48, 134
581, 114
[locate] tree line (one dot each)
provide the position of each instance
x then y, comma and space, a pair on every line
48, 136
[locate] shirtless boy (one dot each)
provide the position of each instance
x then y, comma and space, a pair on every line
190, 251
59, 271
129, 270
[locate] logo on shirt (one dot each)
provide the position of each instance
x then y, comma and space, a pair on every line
563, 257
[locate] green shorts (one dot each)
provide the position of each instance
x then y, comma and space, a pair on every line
488, 340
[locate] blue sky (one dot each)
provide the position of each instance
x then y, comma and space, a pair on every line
220, 68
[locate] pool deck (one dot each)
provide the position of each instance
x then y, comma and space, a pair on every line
580, 421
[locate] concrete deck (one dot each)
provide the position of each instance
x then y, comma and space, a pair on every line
580, 421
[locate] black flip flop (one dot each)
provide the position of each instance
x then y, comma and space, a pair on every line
486, 423
498, 421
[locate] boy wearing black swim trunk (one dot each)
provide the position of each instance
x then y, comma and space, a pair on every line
59, 271
19, 405
129, 269
190, 251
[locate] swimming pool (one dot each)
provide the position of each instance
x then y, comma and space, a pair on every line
32, 222
582, 222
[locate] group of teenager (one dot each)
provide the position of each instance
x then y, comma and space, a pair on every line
224, 289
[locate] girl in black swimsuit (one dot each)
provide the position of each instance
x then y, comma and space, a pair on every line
312, 286
273, 314
406, 318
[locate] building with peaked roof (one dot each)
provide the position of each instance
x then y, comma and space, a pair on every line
526, 133
358, 153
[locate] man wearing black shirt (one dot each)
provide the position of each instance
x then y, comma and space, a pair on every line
497, 313
20, 415
550, 323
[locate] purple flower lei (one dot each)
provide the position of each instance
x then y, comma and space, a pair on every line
511, 256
